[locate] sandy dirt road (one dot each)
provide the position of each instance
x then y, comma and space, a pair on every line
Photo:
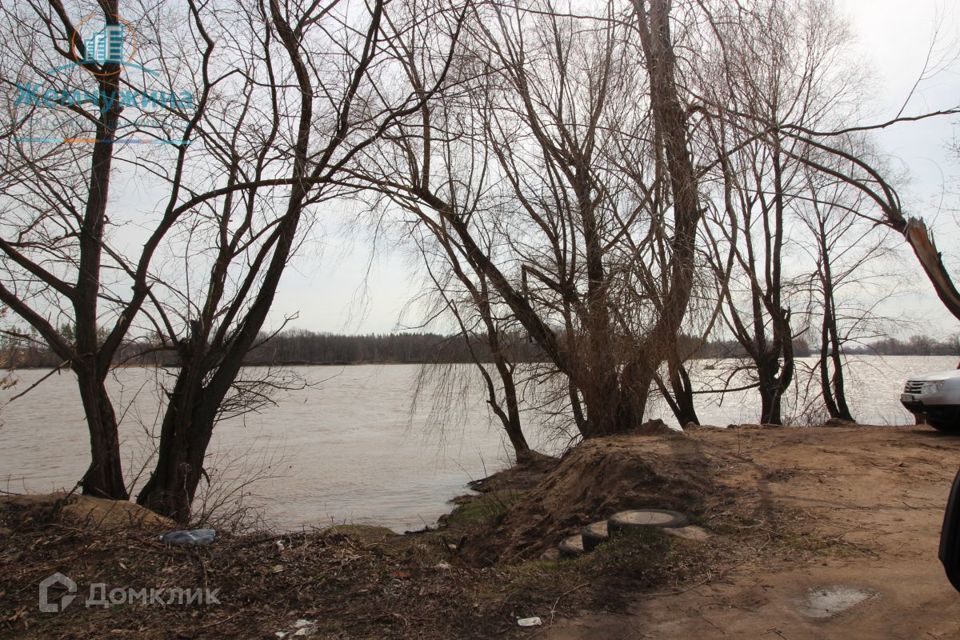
877, 493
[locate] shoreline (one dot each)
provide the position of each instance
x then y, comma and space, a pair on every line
303, 363
789, 508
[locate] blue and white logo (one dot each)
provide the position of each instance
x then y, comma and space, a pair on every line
105, 46
106, 50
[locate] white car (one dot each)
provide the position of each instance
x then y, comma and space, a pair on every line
936, 397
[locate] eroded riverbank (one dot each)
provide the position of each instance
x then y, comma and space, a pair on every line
788, 510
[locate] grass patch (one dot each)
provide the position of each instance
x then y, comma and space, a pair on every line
362, 533
484, 508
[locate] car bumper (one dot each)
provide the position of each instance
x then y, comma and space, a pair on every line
919, 405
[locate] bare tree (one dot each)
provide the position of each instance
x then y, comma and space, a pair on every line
832, 146
283, 96
779, 106
59, 266
558, 127
465, 295
773, 71
303, 114
844, 250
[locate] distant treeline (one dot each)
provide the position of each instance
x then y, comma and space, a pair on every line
299, 347
915, 346
306, 347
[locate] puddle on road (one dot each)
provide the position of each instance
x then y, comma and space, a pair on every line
828, 601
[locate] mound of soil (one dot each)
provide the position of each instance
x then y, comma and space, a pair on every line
595, 480
78, 511
520, 477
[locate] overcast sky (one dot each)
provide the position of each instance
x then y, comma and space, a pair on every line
330, 288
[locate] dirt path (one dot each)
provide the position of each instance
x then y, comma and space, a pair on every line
877, 493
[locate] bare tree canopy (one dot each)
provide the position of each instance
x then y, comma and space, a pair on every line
608, 185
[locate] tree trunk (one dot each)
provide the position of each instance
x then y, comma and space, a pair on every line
839, 392
511, 418
671, 128
683, 406
834, 394
187, 427
775, 378
576, 407
770, 394
919, 238
635, 381
601, 399
511, 421
832, 387
826, 389
104, 477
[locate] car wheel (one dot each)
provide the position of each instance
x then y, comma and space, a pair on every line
950, 535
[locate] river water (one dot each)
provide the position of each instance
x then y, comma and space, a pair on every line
349, 447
